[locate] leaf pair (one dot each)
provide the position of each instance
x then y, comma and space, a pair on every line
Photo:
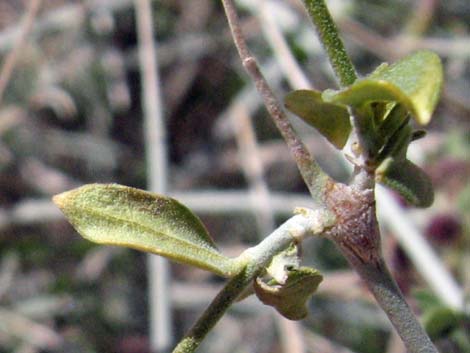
382, 102
414, 81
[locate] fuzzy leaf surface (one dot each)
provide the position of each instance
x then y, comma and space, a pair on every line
118, 215
331, 120
415, 81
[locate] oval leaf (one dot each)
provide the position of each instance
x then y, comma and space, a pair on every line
118, 215
331, 120
414, 81
408, 180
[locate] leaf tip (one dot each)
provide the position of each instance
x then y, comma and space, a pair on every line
60, 200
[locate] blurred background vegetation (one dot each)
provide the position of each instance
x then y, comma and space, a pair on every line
71, 113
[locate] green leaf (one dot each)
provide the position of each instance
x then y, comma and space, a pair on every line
331, 120
118, 215
440, 321
407, 179
286, 286
290, 298
397, 145
392, 122
426, 299
415, 81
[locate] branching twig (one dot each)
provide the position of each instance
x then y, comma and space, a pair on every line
251, 262
312, 174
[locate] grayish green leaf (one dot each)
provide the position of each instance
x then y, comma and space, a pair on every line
118, 215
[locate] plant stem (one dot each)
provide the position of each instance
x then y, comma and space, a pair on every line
314, 177
252, 262
357, 234
216, 309
391, 300
329, 37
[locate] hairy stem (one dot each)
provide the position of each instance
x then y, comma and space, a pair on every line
216, 309
252, 262
328, 34
391, 300
313, 175
357, 234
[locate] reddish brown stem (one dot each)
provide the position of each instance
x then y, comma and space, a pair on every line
311, 172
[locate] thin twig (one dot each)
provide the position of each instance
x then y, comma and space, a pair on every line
250, 264
313, 175
161, 335
12, 57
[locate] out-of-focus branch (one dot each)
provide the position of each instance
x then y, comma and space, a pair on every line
161, 335
291, 335
10, 61
271, 30
313, 175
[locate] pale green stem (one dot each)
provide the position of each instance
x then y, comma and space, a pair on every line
252, 262
331, 41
